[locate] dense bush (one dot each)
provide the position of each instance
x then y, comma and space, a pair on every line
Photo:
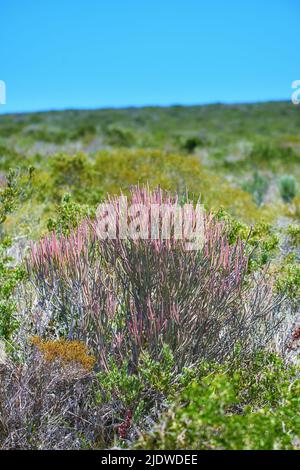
9, 158
120, 137
266, 152
258, 187
10, 277
14, 189
88, 180
53, 401
287, 186
261, 239
84, 131
68, 215
288, 279
124, 295
122, 169
68, 171
36, 133
293, 232
247, 408
191, 143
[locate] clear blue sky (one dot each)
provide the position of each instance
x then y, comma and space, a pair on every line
97, 53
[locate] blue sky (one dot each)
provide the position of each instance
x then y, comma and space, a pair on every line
86, 54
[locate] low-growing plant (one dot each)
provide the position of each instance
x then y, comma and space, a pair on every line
142, 395
262, 239
288, 280
14, 190
65, 351
48, 405
152, 383
83, 132
257, 186
287, 187
265, 152
233, 409
115, 170
10, 277
69, 173
293, 232
11, 194
120, 137
191, 143
293, 209
68, 215
9, 157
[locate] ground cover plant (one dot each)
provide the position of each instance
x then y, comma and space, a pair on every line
138, 342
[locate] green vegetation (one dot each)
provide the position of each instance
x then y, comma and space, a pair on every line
287, 188
142, 345
257, 186
10, 275
234, 409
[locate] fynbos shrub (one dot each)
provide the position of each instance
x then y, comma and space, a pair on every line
287, 186
125, 295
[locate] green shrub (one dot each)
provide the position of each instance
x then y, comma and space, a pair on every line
13, 191
70, 173
44, 134
10, 158
268, 152
257, 186
10, 128
144, 391
287, 187
10, 277
262, 240
249, 408
293, 210
293, 232
83, 131
120, 137
191, 143
17, 188
113, 170
288, 279
89, 179
68, 215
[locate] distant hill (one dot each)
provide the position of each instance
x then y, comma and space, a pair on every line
215, 124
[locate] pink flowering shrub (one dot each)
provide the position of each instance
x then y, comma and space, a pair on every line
124, 295
75, 298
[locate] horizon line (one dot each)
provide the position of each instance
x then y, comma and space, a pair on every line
143, 106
